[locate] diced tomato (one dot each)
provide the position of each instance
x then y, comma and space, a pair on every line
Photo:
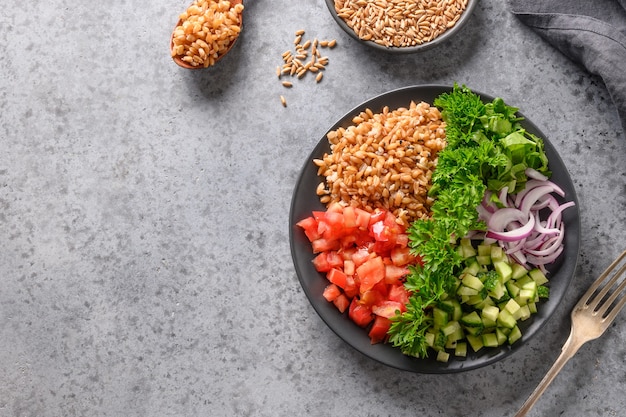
341, 302
360, 256
331, 292
334, 259
371, 272
372, 297
323, 245
380, 327
402, 256
335, 208
382, 288
365, 256
348, 267
378, 215
378, 231
394, 273
359, 313
387, 308
349, 217
346, 253
352, 287
402, 240
399, 294
362, 218
337, 277
331, 226
309, 225
321, 262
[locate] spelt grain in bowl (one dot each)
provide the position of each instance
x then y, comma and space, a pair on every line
384, 160
401, 26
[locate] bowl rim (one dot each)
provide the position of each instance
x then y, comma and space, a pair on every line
465, 16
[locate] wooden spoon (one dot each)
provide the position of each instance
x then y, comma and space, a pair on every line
178, 58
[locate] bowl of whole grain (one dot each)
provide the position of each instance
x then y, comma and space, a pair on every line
401, 26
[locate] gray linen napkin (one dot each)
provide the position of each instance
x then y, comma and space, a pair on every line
592, 33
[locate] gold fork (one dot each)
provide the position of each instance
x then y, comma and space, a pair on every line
590, 318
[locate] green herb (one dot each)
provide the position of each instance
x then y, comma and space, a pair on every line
543, 291
489, 279
487, 150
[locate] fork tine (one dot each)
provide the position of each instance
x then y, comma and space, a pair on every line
619, 305
605, 306
586, 298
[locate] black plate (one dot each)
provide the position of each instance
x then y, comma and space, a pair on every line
305, 200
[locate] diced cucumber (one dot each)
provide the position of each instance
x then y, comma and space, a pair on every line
518, 271
484, 250
483, 259
500, 336
430, 339
466, 249
440, 318
473, 268
460, 349
511, 306
525, 296
512, 288
474, 300
504, 269
524, 313
463, 290
515, 335
451, 328
472, 320
497, 254
506, 319
476, 342
457, 335
489, 324
498, 291
490, 340
443, 356
538, 276
472, 282
488, 301
491, 313
440, 340
525, 280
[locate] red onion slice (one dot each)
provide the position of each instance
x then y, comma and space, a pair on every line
518, 226
502, 219
534, 174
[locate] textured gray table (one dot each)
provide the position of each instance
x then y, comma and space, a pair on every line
145, 261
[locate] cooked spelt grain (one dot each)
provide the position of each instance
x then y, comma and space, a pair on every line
207, 30
384, 160
400, 23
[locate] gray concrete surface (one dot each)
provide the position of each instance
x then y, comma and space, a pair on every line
145, 266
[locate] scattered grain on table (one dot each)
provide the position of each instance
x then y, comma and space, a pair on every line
305, 58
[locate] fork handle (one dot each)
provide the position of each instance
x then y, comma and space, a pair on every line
569, 349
